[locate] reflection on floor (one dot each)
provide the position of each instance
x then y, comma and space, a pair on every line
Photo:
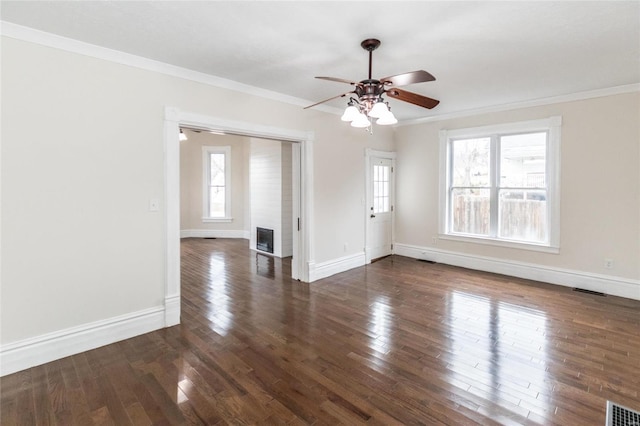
395, 342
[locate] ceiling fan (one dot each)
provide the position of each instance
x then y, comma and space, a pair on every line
369, 101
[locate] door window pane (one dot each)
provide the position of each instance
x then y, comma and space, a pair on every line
381, 182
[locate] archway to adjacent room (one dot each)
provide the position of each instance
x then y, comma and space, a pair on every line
302, 164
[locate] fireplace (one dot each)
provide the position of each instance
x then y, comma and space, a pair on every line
264, 240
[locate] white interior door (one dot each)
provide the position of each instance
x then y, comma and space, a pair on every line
380, 205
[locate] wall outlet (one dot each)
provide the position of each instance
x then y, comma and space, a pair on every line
434, 240
346, 247
608, 263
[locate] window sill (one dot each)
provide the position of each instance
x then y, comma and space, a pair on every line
217, 219
501, 243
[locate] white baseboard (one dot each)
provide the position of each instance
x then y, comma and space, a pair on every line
172, 310
49, 347
325, 269
214, 233
607, 284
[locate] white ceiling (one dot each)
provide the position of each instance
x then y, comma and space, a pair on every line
483, 54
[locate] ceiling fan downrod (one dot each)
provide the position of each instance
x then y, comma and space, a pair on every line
370, 45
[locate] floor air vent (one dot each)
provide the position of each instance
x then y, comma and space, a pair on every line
595, 293
617, 415
426, 261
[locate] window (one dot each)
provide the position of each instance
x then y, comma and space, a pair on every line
217, 178
501, 184
381, 182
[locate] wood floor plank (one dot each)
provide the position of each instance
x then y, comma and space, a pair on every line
42, 408
60, 401
113, 403
396, 342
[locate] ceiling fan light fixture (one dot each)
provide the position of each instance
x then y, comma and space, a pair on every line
379, 109
361, 121
368, 100
387, 119
350, 114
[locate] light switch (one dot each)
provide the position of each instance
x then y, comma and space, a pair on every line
154, 205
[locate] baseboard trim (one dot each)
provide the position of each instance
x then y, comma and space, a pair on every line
607, 284
172, 310
321, 270
49, 347
214, 233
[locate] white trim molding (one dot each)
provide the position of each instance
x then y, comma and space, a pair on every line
321, 270
31, 35
215, 233
552, 126
18, 32
217, 219
172, 310
608, 284
48, 347
572, 97
173, 119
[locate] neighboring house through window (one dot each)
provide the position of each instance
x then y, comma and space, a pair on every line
217, 179
501, 184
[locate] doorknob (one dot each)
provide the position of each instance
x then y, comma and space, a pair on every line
373, 215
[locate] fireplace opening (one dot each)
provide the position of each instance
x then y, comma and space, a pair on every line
264, 240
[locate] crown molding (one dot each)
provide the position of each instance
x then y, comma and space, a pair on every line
590, 94
43, 38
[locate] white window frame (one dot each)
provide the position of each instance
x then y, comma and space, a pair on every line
207, 150
552, 126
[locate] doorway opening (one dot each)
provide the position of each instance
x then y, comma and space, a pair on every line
235, 186
302, 193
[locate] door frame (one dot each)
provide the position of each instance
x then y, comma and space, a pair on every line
173, 119
389, 155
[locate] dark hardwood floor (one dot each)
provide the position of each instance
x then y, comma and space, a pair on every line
396, 342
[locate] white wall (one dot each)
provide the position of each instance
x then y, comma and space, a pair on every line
286, 211
600, 195
82, 156
270, 193
191, 183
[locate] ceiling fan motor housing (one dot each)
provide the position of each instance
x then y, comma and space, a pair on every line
369, 89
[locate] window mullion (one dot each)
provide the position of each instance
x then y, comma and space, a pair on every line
494, 182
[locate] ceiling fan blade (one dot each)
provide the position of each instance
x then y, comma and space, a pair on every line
412, 98
407, 78
327, 100
339, 80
